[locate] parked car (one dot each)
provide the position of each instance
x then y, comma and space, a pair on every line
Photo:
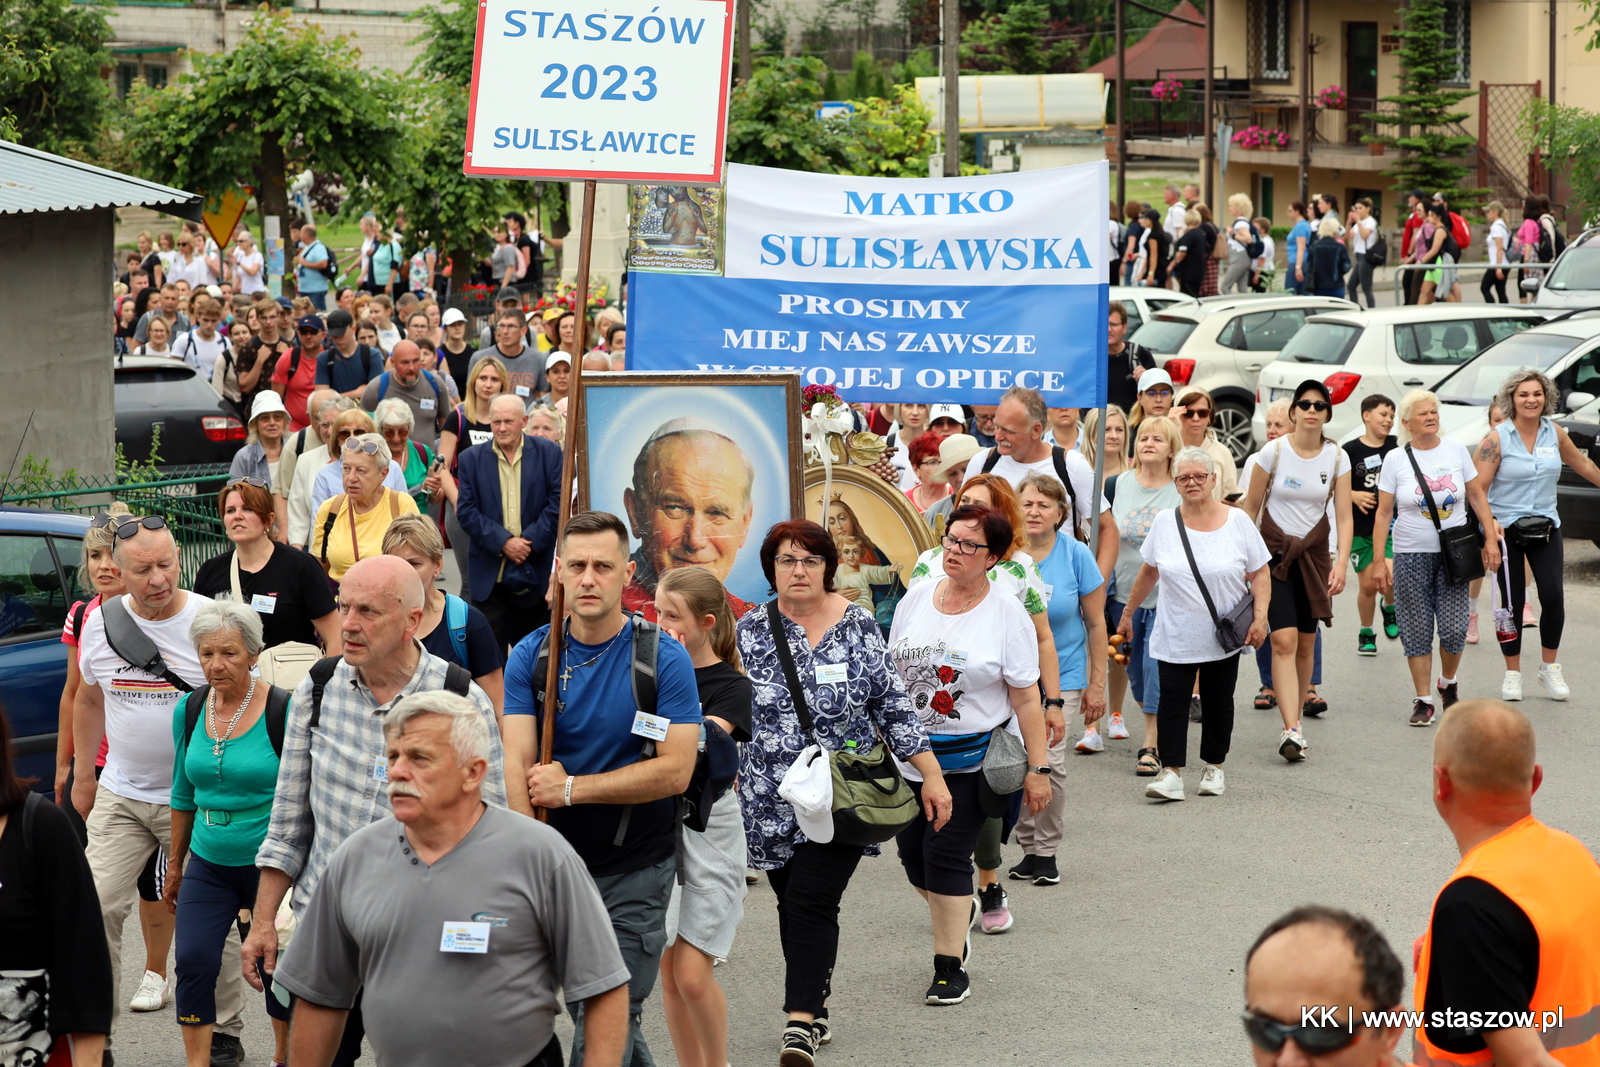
1574, 280
1221, 344
1385, 350
40, 552
1143, 301
197, 426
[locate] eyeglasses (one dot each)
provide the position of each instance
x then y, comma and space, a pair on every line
1192, 479
131, 526
369, 447
1269, 1035
1193, 414
257, 482
931, 461
1312, 405
810, 563
966, 548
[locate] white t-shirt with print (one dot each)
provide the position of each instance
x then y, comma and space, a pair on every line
1017, 577
1246, 473
139, 706
1448, 468
958, 669
1300, 487
1184, 632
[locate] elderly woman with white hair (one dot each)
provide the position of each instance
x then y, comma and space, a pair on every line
227, 736
1210, 560
329, 479
1424, 492
548, 422
395, 421
1520, 461
349, 526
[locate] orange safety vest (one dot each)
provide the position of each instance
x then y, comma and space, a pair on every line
1554, 879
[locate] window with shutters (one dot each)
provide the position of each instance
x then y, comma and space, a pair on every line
1269, 40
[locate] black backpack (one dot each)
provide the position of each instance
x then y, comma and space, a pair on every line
1378, 250
457, 680
331, 269
276, 714
1059, 455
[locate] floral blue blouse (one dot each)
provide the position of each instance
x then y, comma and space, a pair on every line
871, 702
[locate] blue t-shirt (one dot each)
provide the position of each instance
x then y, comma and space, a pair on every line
483, 651
1299, 229
308, 280
1069, 571
594, 734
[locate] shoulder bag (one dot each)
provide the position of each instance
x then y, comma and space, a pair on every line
1235, 625
1461, 546
871, 800
283, 664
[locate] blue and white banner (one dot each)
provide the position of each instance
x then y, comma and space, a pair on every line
932, 289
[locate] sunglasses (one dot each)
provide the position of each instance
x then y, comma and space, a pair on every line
257, 482
1269, 1035
303, 332
369, 447
132, 526
1312, 405
1193, 414
1159, 392
104, 519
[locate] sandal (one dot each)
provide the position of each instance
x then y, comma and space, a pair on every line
1314, 705
1149, 765
1265, 699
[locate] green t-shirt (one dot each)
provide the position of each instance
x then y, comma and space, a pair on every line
248, 780
417, 471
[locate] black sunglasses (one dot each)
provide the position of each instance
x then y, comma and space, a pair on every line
257, 482
1269, 1035
1312, 405
132, 526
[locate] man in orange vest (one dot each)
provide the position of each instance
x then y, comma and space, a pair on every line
1304, 976
1509, 970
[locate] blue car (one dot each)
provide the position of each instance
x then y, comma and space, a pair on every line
40, 552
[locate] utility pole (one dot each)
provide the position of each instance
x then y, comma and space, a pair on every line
1122, 122
950, 60
1210, 124
742, 29
1305, 101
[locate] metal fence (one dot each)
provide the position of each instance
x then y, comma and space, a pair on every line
185, 497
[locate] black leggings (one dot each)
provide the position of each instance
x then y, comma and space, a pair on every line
1497, 284
1545, 560
1217, 679
809, 888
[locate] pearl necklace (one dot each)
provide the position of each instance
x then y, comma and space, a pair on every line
211, 714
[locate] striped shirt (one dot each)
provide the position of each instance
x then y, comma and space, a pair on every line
332, 783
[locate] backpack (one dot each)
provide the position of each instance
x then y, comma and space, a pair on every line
438, 401
226, 353
1059, 455
1458, 230
1377, 250
276, 713
364, 351
1254, 248
330, 270
1552, 242
134, 646
455, 619
1451, 246
456, 680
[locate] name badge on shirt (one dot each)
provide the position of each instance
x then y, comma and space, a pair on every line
955, 658
380, 769
426, 405
1290, 482
1373, 461
1545, 452
832, 673
653, 727
524, 391
465, 937
263, 603
1049, 591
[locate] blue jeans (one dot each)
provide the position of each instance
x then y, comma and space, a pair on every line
318, 300
1144, 676
1264, 661
637, 904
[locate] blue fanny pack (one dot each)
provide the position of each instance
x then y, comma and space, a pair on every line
959, 752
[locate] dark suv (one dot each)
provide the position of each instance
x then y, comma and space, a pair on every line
197, 425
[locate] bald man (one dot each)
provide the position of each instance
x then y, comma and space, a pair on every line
1316, 957
1513, 944
689, 506
329, 789
421, 389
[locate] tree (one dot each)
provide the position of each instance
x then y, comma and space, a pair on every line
52, 96
1430, 154
772, 120
1011, 42
283, 99
1568, 137
892, 137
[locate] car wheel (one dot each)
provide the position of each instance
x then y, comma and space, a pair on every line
1232, 423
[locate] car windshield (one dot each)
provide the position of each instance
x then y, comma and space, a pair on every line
1321, 342
1475, 382
1578, 268
1164, 335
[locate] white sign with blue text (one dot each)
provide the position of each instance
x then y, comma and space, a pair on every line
937, 289
614, 90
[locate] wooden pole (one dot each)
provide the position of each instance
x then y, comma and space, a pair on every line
950, 60
1305, 103
558, 605
1210, 126
1122, 120
742, 28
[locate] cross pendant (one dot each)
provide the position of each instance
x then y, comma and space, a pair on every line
566, 676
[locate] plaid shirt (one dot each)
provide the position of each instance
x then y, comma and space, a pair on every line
328, 784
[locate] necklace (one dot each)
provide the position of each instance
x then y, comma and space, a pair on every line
566, 654
946, 588
211, 714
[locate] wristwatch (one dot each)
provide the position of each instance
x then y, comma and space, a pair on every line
1039, 770
1055, 702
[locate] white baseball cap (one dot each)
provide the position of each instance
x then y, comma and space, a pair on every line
808, 787
1152, 377
946, 411
557, 356
452, 316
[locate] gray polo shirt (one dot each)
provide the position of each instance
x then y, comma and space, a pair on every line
428, 407
377, 922
526, 370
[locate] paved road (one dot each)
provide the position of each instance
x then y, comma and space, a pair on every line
1136, 957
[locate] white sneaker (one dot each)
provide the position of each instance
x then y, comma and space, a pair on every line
1511, 686
1118, 730
153, 993
1091, 741
1212, 782
1554, 684
1168, 785
1292, 746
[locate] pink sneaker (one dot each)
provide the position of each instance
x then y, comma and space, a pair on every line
1528, 617
1472, 628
